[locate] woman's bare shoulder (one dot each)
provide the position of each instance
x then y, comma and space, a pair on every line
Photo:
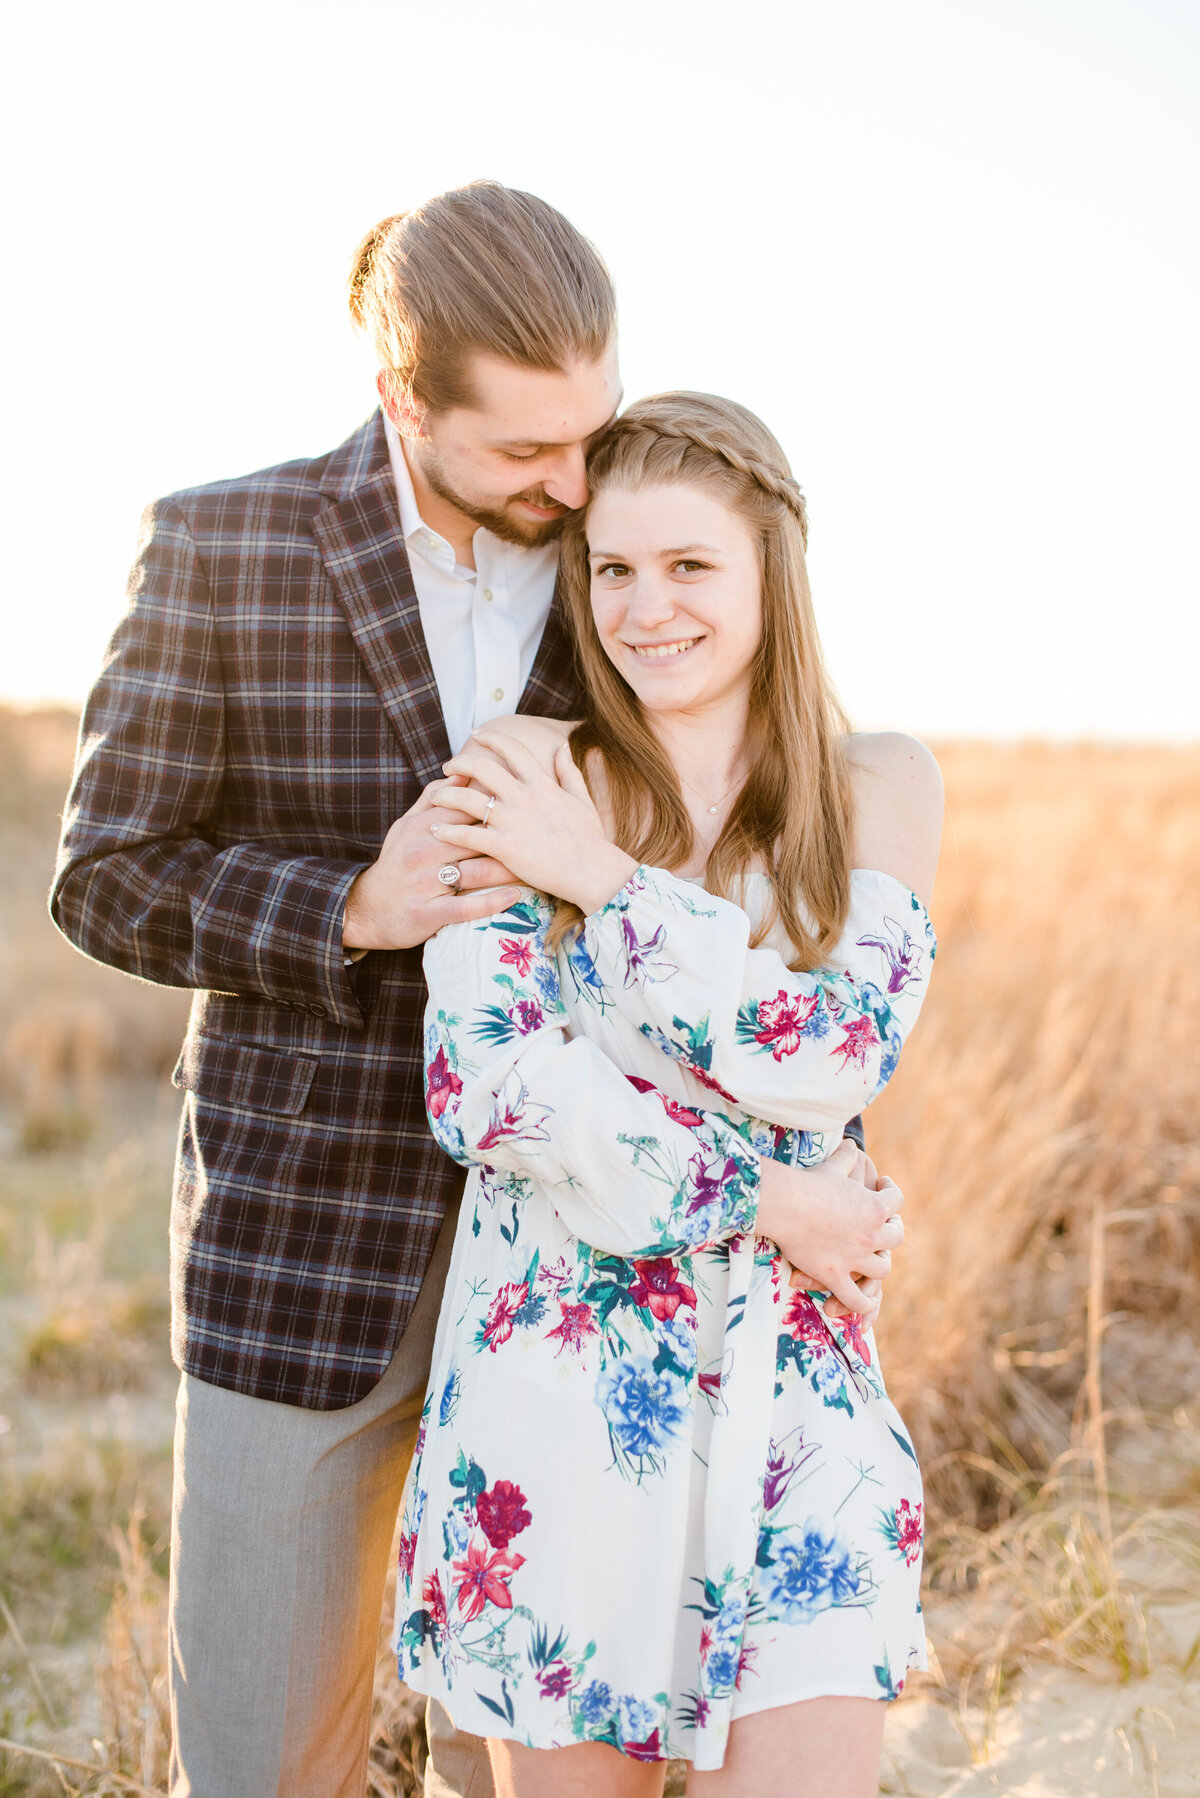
542, 736
893, 757
898, 801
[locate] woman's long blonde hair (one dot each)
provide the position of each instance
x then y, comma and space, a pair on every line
792, 815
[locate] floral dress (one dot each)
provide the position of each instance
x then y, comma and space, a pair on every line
655, 1489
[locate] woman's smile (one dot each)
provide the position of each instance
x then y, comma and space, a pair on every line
648, 652
684, 565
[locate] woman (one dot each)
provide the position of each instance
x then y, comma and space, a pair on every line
661, 1504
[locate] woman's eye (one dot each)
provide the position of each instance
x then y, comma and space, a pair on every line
617, 569
691, 567
512, 456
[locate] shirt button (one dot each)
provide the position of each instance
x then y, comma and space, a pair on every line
497, 694
487, 593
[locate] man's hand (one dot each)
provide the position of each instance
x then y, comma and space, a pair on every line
398, 901
835, 1226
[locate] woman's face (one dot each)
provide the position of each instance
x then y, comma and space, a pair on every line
676, 594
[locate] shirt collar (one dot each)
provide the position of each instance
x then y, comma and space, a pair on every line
412, 525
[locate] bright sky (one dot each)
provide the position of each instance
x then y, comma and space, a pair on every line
947, 248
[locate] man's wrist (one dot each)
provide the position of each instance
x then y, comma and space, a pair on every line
357, 919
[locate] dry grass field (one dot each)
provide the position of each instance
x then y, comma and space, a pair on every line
1040, 1331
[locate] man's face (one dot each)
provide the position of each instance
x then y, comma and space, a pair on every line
514, 461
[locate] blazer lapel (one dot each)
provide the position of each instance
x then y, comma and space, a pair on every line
363, 551
552, 687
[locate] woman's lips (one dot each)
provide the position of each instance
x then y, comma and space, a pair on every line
662, 652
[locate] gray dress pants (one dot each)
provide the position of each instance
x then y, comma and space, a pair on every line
281, 1529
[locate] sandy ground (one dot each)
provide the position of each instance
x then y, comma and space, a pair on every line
1063, 1734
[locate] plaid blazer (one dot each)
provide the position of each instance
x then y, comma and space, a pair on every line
266, 710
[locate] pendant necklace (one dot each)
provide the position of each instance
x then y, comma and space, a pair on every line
721, 797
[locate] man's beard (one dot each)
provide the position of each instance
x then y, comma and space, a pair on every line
525, 534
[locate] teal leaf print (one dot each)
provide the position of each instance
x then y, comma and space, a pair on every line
905, 1444
504, 1711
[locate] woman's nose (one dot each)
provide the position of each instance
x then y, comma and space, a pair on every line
651, 601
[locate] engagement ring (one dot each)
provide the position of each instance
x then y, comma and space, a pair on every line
487, 810
450, 875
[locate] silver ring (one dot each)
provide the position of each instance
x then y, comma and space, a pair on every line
450, 875
487, 810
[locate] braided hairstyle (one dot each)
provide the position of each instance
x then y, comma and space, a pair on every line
792, 815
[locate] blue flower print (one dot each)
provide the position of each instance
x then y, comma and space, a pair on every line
812, 1572
643, 1409
722, 1666
451, 1392
596, 1704
637, 1719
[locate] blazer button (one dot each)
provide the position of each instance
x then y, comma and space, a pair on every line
318, 1011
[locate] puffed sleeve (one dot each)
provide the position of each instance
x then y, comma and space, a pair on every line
630, 1170
805, 1051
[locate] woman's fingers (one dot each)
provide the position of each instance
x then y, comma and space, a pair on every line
478, 764
850, 1293
470, 802
515, 755
890, 1234
570, 778
891, 1192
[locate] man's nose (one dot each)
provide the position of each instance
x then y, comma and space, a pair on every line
568, 482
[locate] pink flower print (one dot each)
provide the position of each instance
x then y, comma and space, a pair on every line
658, 1289
575, 1325
484, 1580
745, 1662
710, 1383
674, 1110
441, 1085
860, 1038
504, 1308
804, 1322
433, 1598
852, 1336
708, 1188
556, 1680
649, 1750
528, 1016
902, 955
407, 1555
706, 1642
714, 1086
781, 1021
515, 1114
517, 951
909, 1531
645, 961
501, 1513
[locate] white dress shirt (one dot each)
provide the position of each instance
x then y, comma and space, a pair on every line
482, 625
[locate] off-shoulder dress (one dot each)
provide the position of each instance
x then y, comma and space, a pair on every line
654, 1489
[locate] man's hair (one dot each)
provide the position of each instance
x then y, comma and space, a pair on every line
481, 268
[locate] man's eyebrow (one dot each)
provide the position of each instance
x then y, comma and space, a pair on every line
530, 443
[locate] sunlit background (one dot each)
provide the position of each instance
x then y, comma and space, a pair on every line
947, 249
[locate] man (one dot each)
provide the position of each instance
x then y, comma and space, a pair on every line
258, 770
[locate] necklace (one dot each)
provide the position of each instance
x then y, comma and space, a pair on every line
721, 797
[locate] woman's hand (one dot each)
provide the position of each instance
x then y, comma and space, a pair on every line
542, 826
835, 1227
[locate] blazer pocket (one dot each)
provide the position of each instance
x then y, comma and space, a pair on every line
223, 1072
